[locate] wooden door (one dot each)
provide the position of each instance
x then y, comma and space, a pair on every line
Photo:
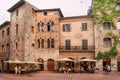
50, 64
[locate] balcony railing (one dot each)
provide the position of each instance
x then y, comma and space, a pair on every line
77, 48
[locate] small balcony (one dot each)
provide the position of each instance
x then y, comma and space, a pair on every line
76, 48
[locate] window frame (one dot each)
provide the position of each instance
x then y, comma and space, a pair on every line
106, 26
66, 28
84, 26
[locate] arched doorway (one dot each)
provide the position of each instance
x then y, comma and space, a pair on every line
41, 65
118, 62
106, 61
50, 64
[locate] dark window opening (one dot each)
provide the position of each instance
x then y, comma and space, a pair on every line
8, 31
32, 29
84, 44
52, 43
16, 29
45, 13
84, 26
16, 45
107, 42
17, 13
48, 26
106, 26
118, 6
38, 43
2, 33
66, 27
67, 44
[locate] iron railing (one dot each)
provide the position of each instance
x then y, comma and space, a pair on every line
77, 48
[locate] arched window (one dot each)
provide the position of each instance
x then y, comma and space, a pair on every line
117, 6
41, 43
38, 26
32, 29
106, 25
42, 27
52, 43
48, 41
16, 29
118, 24
48, 26
38, 43
107, 42
3, 33
52, 26
8, 31
16, 45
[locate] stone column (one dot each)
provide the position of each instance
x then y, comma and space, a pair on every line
45, 65
56, 65
99, 64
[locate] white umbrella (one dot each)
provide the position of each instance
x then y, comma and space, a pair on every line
32, 62
65, 59
11, 61
89, 60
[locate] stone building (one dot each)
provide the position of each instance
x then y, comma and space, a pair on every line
4, 43
47, 36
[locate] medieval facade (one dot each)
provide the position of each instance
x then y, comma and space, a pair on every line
47, 36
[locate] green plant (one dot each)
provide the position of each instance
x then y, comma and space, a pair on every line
104, 11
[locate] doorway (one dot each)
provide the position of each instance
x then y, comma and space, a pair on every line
106, 61
118, 62
50, 64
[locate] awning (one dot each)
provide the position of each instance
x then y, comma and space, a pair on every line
15, 61
89, 60
65, 59
22, 62
32, 62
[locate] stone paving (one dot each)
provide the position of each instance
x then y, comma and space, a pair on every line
61, 76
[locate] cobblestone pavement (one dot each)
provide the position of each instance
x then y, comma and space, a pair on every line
61, 76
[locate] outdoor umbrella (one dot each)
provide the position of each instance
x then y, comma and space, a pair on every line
65, 59
89, 60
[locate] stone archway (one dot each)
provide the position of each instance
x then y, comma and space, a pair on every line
106, 61
50, 64
41, 66
118, 63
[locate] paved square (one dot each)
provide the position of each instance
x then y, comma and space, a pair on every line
61, 76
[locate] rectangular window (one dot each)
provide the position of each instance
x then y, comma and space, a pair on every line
17, 13
84, 44
45, 13
8, 31
2, 48
84, 26
16, 29
66, 27
2, 33
67, 44
32, 29
118, 6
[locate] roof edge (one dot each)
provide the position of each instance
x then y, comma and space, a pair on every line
4, 24
17, 5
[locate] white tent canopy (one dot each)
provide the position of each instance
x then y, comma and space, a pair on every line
18, 62
32, 62
89, 60
11, 61
65, 59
